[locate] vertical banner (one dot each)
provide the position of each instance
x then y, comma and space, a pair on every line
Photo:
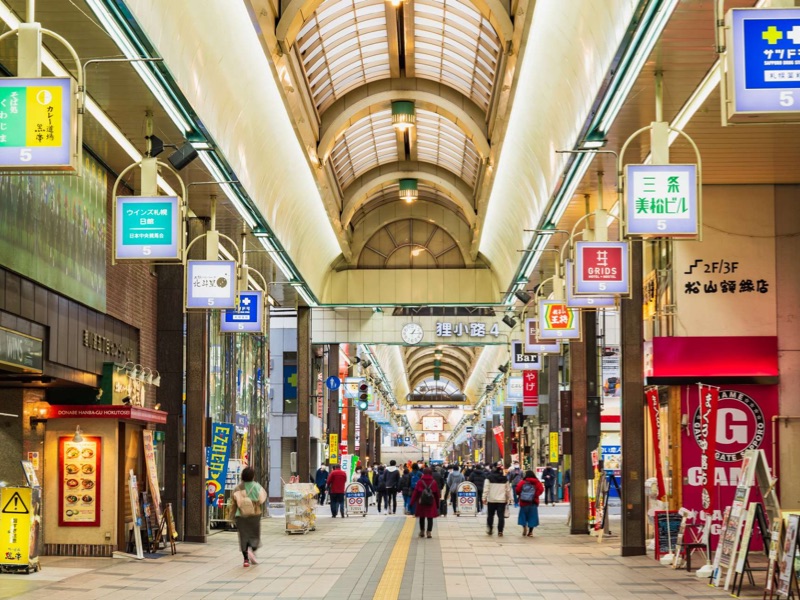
530, 388
709, 398
498, 437
655, 426
152, 473
221, 441
343, 449
554, 447
333, 448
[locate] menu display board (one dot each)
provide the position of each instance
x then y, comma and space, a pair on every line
79, 483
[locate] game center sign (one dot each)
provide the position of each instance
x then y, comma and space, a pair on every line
740, 426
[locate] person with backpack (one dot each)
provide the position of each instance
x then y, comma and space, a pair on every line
528, 491
405, 489
247, 499
363, 479
379, 483
426, 500
416, 475
392, 483
496, 496
455, 479
477, 478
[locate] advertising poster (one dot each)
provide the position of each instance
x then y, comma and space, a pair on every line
20, 525
79, 484
612, 379
355, 499
467, 498
787, 562
744, 414
218, 456
152, 472
653, 409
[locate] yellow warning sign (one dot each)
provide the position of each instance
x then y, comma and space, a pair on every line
16, 505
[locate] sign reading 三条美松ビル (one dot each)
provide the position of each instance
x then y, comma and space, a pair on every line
147, 228
763, 61
558, 321
601, 268
524, 360
534, 344
661, 200
247, 318
574, 301
38, 124
210, 284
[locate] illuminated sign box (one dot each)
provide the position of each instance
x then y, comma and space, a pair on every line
248, 318
661, 201
574, 301
147, 228
210, 284
534, 344
523, 360
433, 423
558, 321
762, 65
38, 124
602, 268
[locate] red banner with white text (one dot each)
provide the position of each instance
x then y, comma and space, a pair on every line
709, 399
530, 388
498, 437
653, 407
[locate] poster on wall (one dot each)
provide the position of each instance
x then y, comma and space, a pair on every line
152, 472
744, 414
79, 484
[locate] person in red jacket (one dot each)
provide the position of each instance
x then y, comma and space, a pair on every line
426, 500
336, 483
528, 492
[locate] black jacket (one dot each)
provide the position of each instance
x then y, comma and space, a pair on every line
438, 478
477, 477
405, 484
392, 478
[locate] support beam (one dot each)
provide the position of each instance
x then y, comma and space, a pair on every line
378, 437
579, 488
633, 467
507, 416
351, 426
334, 418
488, 447
362, 424
304, 393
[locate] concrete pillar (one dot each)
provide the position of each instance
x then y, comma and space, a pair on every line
304, 393
551, 364
196, 402
507, 416
351, 426
579, 489
363, 450
334, 418
633, 463
488, 444
377, 437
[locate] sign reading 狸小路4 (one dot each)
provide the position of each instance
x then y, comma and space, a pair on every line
147, 228
763, 63
558, 321
210, 284
247, 318
38, 124
661, 200
602, 268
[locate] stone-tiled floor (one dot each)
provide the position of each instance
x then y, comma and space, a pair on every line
345, 558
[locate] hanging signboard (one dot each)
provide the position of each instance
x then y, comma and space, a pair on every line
210, 284
38, 124
554, 447
661, 201
524, 360
514, 390
530, 389
574, 301
534, 344
147, 228
333, 448
602, 268
558, 321
79, 482
763, 64
248, 317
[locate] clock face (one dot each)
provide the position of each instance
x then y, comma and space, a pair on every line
412, 333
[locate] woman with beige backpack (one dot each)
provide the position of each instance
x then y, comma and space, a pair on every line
248, 497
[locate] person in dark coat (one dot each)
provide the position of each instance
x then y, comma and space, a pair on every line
549, 479
416, 474
363, 479
405, 489
476, 478
321, 480
425, 510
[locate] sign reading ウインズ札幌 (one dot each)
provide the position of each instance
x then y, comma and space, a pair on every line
147, 228
601, 268
661, 200
558, 321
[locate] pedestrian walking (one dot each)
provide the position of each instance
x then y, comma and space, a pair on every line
321, 480
392, 485
496, 497
247, 498
405, 489
379, 483
514, 477
426, 500
528, 491
549, 478
337, 481
364, 480
455, 479
416, 475
477, 477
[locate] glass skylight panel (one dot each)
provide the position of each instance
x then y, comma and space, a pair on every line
369, 142
442, 142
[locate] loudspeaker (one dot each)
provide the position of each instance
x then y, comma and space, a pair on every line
182, 156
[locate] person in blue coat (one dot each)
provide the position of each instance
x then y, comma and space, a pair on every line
363, 479
321, 480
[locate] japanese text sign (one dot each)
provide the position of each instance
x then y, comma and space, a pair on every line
602, 268
514, 389
38, 123
574, 301
147, 228
522, 360
661, 200
534, 344
248, 317
478, 329
558, 321
530, 388
210, 284
764, 60
220, 451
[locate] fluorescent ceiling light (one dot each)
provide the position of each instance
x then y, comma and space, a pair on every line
305, 296
276, 257
217, 174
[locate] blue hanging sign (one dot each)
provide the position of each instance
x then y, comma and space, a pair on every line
763, 61
218, 454
248, 317
333, 383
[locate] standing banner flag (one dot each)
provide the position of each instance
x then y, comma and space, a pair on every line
655, 425
220, 453
530, 388
498, 437
709, 398
152, 471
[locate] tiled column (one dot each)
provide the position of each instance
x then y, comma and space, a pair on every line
334, 418
304, 392
580, 475
507, 416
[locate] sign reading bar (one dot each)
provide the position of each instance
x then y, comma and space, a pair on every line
763, 62
534, 344
661, 200
558, 321
147, 228
574, 301
38, 124
210, 284
602, 268
523, 360
248, 318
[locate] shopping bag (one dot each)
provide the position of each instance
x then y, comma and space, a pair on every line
508, 511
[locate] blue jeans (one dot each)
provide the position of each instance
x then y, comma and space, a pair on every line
406, 502
337, 504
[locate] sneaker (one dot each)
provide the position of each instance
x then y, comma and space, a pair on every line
489, 531
499, 534
422, 535
429, 535
246, 564
252, 556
